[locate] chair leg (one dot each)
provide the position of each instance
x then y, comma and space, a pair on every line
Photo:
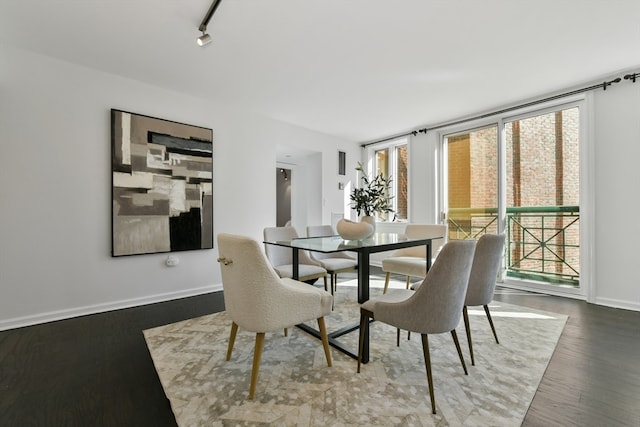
335, 281
232, 339
467, 328
408, 281
486, 310
397, 337
364, 319
325, 339
427, 364
386, 282
325, 284
455, 340
257, 356
286, 332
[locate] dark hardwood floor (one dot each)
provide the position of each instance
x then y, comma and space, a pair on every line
96, 370
593, 378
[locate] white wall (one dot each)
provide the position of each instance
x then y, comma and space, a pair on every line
55, 188
617, 198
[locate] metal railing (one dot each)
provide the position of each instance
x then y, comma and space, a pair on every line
542, 241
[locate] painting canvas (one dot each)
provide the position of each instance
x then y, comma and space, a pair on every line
162, 186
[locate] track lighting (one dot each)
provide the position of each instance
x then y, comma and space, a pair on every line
205, 38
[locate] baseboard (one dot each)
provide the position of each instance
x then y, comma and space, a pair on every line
52, 316
615, 303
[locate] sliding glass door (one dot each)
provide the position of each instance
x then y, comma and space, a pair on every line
520, 175
543, 197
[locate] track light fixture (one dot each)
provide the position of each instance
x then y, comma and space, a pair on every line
205, 38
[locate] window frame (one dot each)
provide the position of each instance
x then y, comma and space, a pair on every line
587, 183
372, 168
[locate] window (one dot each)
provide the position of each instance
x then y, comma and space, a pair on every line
392, 160
520, 175
542, 196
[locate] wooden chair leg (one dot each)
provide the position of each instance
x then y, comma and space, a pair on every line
386, 282
427, 364
397, 337
232, 339
467, 328
486, 310
325, 339
286, 332
408, 281
257, 356
364, 319
455, 340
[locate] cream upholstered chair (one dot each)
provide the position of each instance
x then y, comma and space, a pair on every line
434, 308
412, 262
257, 300
333, 262
482, 281
281, 258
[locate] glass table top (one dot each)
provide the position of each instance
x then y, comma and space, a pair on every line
337, 243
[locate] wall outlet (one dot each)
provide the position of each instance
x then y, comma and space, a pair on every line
172, 261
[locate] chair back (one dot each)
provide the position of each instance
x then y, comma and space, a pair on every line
424, 231
484, 271
323, 231
320, 231
247, 280
436, 306
279, 255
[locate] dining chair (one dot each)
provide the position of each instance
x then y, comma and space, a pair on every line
281, 258
482, 280
412, 262
434, 308
333, 262
257, 300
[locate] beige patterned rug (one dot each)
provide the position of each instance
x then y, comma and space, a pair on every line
296, 388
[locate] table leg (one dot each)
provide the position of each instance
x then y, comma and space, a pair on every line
295, 260
363, 295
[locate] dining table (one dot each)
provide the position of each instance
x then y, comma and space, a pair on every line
378, 242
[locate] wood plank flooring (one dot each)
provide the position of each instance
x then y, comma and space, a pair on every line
96, 370
593, 378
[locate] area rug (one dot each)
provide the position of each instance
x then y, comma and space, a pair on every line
296, 388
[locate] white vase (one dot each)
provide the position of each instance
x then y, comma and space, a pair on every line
350, 230
369, 219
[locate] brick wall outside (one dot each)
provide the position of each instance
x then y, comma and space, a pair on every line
548, 176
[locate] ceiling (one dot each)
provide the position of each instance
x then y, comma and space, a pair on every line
356, 69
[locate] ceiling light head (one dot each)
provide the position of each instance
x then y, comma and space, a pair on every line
204, 39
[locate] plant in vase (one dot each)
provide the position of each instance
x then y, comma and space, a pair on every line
370, 199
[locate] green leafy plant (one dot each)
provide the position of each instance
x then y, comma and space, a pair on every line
372, 197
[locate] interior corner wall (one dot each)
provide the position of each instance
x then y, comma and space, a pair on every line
55, 187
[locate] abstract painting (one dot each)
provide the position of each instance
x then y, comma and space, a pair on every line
162, 186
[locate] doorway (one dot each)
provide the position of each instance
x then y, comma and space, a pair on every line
283, 196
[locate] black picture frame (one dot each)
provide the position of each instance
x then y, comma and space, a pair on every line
342, 163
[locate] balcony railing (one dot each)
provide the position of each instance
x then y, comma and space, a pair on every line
542, 244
